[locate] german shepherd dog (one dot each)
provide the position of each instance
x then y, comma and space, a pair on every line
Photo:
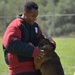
50, 63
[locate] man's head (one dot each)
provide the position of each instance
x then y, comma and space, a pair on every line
30, 12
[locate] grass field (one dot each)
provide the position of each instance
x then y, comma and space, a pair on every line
65, 49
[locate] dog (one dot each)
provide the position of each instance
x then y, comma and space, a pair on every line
50, 63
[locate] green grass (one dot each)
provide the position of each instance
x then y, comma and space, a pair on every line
3, 66
65, 49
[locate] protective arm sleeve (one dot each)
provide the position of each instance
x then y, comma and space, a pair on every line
21, 48
12, 43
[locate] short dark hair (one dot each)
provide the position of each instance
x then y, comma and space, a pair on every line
29, 6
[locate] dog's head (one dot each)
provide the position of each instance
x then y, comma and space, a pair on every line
45, 43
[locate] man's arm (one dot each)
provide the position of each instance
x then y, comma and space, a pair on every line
12, 43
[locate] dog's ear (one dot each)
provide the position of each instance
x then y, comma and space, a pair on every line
39, 37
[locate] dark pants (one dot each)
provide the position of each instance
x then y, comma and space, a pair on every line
30, 73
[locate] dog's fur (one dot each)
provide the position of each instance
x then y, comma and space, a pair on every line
49, 64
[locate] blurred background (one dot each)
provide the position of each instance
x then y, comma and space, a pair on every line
56, 17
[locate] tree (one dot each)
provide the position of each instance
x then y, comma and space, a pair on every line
65, 22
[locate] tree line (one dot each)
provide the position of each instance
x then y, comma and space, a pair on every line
54, 20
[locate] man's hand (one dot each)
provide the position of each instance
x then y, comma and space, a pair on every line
40, 53
38, 60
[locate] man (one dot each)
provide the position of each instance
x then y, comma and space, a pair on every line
19, 42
